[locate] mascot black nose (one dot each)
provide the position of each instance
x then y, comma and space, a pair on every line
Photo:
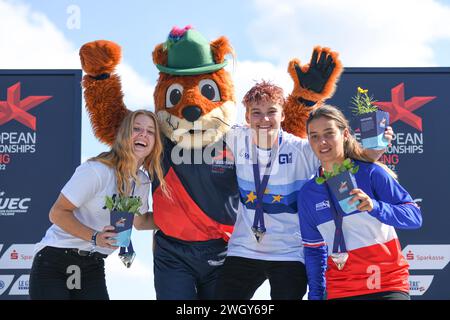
191, 113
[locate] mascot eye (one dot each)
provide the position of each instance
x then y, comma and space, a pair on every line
209, 89
173, 94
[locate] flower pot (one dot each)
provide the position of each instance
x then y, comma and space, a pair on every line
123, 224
340, 186
372, 126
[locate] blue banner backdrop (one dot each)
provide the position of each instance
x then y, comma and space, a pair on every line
418, 101
40, 147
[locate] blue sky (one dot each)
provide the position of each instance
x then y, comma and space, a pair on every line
265, 35
139, 25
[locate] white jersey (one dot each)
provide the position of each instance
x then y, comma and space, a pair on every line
293, 165
87, 189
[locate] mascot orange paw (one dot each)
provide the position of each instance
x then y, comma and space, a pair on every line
99, 57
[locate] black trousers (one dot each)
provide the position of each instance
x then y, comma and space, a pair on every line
186, 270
54, 275
241, 277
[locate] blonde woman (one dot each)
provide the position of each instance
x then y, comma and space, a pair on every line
357, 255
81, 237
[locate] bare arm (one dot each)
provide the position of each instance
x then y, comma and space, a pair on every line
145, 222
62, 215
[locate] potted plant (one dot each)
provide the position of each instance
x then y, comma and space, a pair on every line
372, 122
340, 182
122, 211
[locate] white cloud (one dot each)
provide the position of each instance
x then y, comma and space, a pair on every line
29, 40
246, 73
138, 93
379, 33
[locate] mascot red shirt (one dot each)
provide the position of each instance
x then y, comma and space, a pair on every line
195, 103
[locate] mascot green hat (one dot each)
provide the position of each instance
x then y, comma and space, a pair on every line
188, 53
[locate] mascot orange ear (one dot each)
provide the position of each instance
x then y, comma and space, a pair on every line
160, 55
220, 48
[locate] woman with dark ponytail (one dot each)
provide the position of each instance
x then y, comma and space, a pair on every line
369, 263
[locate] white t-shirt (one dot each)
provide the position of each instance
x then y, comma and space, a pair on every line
294, 164
87, 189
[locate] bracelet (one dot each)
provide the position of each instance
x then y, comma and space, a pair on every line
102, 76
94, 238
307, 103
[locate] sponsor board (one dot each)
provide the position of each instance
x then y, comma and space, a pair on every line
418, 285
5, 282
10, 206
40, 147
20, 287
427, 257
17, 256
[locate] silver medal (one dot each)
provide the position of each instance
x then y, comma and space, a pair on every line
127, 258
259, 234
339, 259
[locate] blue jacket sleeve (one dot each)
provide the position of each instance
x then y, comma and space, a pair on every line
316, 266
315, 252
393, 204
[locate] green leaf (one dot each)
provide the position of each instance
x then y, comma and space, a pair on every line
355, 169
327, 175
126, 204
134, 208
109, 203
347, 162
320, 180
336, 169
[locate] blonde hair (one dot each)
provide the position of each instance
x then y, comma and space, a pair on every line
352, 148
121, 156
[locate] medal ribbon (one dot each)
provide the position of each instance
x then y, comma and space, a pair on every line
260, 186
339, 241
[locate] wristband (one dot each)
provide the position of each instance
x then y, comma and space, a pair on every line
102, 76
94, 238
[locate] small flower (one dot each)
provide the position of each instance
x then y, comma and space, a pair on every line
363, 103
361, 90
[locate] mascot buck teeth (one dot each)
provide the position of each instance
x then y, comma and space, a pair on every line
195, 103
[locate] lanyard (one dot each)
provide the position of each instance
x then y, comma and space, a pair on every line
259, 227
339, 241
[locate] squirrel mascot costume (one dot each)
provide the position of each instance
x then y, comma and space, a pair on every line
195, 103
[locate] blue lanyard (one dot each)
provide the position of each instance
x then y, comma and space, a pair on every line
339, 241
259, 227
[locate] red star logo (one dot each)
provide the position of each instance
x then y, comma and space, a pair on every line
15, 108
399, 109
